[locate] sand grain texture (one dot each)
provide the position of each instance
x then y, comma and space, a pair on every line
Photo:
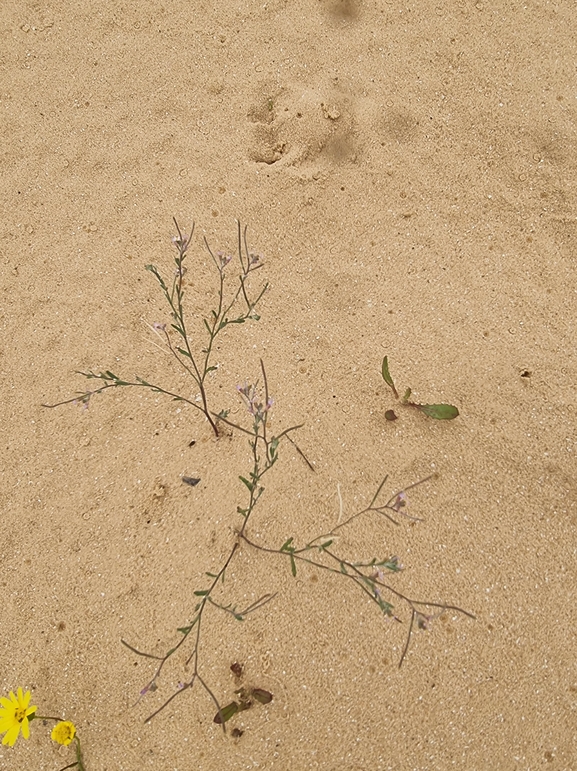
408, 172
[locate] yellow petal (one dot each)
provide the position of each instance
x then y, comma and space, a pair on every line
25, 728
11, 735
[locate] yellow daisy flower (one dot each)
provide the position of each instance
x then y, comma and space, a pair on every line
63, 732
14, 714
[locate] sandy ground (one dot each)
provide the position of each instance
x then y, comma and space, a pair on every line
408, 172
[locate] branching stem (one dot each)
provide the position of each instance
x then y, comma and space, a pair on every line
197, 366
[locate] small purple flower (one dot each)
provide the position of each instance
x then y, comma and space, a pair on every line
223, 258
84, 400
150, 687
423, 621
253, 405
182, 242
401, 502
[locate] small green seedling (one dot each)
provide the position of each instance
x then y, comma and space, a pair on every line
246, 697
245, 701
436, 411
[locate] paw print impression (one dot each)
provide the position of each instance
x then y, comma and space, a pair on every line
296, 126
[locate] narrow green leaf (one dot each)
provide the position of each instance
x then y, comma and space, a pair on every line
250, 485
326, 544
153, 269
387, 376
293, 566
386, 607
202, 592
406, 395
210, 575
439, 411
286, 544
225, 714
183, 352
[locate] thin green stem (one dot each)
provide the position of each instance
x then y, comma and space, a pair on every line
179, 313
85, 396
261, 464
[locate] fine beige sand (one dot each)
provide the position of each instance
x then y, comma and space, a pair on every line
408, 172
